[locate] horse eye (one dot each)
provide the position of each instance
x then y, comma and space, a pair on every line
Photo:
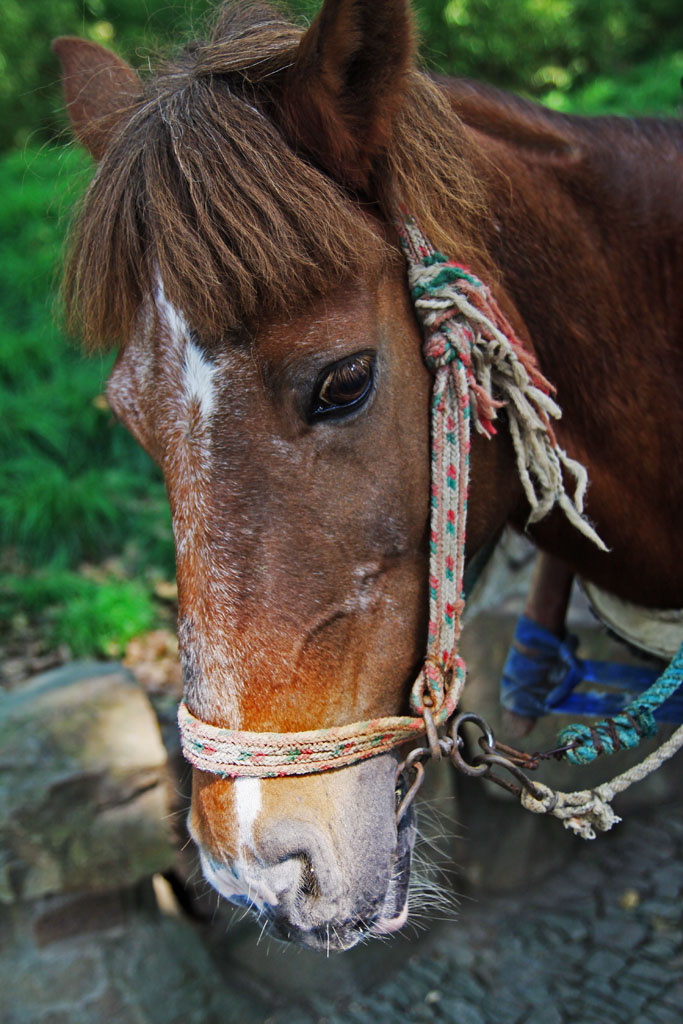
343, 386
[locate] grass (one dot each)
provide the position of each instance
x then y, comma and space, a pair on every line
89, 616
75, 488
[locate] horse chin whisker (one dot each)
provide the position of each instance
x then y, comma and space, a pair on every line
447, 908
195, 873
432, 827
174, 815
436, 816
435, 807
415, 927
428, 913
434, 897
261, 933
429, 864
433, 824
427, 880
433, 853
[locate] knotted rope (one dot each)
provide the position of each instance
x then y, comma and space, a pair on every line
628, 728
479, 365
586, 810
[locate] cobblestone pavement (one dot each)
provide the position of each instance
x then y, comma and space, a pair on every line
597, 943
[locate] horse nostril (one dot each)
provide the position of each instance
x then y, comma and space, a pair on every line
308, 886
304, 844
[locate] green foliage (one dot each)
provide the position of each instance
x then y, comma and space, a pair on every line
559, 48
30, 95
74, 486
650, 88
104, 617
89, 616
540, 47
29, 77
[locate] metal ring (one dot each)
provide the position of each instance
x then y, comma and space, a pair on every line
456, 757
414, 755
489, 760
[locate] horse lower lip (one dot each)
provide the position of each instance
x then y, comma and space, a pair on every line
385, 926
333, 939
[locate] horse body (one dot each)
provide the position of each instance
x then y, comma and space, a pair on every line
270, 362
589, 246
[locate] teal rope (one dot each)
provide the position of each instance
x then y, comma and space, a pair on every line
627, 728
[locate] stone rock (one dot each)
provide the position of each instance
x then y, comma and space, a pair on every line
112, 957
83, 794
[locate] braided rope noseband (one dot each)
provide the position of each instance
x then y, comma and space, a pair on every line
479, 366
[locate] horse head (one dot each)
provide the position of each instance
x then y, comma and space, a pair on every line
237, 242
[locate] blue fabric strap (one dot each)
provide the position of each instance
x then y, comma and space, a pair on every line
542, 672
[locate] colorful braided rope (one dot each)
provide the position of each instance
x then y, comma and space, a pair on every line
473, 352
625, 730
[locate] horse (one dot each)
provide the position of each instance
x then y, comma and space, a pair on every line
238, 243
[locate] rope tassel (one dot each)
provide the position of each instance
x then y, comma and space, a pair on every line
463, 322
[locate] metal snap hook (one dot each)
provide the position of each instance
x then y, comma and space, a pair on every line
432, 734
458, 742
413, 760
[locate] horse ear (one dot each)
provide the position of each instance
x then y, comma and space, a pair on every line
100, 89
347, 83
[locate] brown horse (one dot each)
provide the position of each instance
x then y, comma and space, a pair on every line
237, 243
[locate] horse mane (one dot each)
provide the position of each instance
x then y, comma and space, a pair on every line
201, 191
635, 161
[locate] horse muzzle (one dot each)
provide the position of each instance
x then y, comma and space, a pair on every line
324, 862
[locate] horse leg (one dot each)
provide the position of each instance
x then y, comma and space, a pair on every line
546, 605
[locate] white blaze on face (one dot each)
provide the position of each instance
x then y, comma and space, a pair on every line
246, 878
191, 392
198, 381
247, 808
197, 385
174, 320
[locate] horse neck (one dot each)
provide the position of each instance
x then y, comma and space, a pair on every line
591, 212
586, 231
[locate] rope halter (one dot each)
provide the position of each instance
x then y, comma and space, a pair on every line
479, 365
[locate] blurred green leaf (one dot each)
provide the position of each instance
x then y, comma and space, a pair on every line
74, 485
